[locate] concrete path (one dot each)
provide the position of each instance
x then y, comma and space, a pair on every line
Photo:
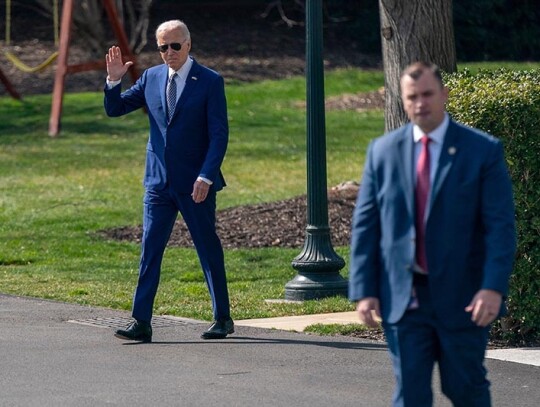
57, 354
529, 356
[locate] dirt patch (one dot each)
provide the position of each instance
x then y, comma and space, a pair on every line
359, 102
241, 45
272, 224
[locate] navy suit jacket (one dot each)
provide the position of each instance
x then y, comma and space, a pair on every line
470, 227
194, 142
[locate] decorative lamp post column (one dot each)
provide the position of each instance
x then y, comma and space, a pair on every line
318, 264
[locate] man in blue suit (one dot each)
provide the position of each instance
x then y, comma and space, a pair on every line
189, 133
433, 244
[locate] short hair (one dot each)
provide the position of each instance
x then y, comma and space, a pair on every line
173, 25
416, 69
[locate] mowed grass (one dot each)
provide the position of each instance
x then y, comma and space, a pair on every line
57, 194
493, 66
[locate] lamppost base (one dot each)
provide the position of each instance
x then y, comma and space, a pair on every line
313, 285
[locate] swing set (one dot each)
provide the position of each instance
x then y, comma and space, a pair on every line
14, 59
62, 41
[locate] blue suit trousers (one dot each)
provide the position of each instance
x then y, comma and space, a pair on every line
419, 340
160, 212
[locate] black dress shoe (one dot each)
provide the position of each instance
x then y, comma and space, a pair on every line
137, 331
219, 329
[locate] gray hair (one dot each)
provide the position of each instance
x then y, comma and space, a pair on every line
172, 25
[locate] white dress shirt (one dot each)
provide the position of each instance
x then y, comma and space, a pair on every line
435, 146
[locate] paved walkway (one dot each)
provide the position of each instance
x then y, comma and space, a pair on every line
528, 356
57, 354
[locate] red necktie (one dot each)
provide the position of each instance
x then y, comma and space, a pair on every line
421, 197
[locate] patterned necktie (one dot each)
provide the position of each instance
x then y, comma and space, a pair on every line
421, 198
171, 96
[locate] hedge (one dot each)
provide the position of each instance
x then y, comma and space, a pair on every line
506, 104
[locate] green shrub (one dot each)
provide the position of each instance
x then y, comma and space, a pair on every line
506, 104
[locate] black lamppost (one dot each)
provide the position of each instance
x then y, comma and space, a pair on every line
318, 264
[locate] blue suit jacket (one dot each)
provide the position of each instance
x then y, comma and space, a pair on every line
194, 142
470, 229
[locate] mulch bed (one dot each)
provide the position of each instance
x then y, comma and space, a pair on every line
272, 224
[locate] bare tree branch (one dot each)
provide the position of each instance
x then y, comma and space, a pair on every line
278, 5
92, 27
298, 7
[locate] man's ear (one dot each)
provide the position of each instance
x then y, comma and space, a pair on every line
446, 91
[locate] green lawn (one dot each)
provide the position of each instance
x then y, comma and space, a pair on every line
55, 194
516, 66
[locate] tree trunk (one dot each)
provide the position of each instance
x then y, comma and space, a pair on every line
413, 30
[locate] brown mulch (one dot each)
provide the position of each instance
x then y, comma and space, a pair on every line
359, 102
272, 224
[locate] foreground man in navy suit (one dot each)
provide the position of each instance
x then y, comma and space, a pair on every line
433, 244
189, 133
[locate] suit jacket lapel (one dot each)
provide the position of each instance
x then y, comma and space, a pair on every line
191, 82
163, 79
448, 152
406, 158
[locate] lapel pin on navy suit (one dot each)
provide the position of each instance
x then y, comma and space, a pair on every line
194, 78
452, 150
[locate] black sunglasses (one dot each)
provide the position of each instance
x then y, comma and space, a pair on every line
176, 46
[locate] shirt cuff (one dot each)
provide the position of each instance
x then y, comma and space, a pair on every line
112, 84
204, 180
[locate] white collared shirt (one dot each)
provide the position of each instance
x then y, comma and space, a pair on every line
181, 76
435, 146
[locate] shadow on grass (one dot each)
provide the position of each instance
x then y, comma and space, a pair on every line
84, 114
